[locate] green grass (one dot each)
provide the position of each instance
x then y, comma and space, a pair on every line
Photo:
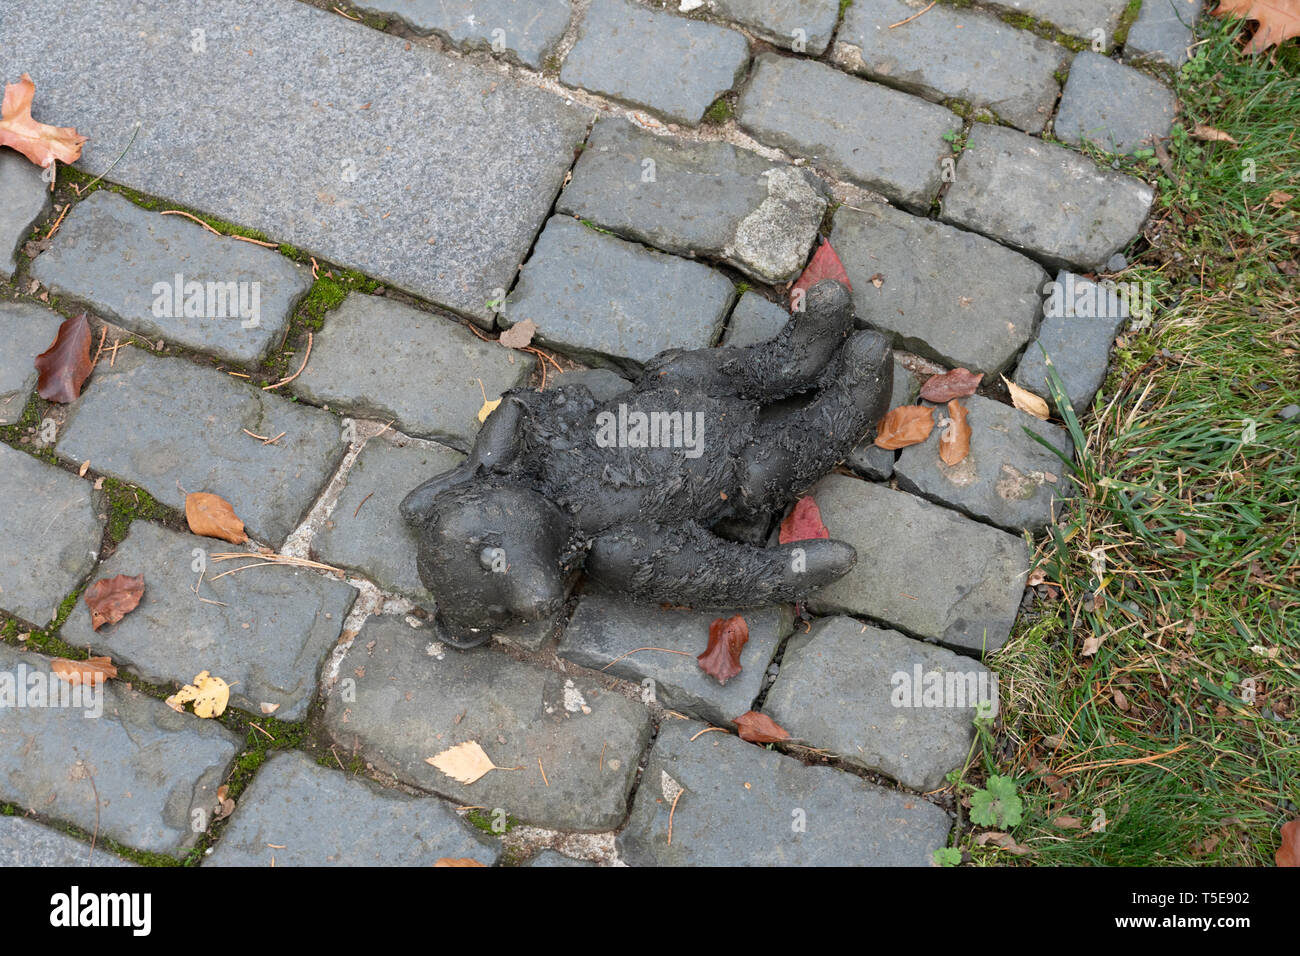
1189, 489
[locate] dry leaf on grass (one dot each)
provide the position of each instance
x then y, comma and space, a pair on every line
40, 143
959, 383
95, 670
1276, 20
209, 695
212, 516
456, 861
1209, 134
1288, 854
803, 523
1091, 645
65, 365
225, 806
727, 637
903, 426
518, 335
465, 762
111, 599
1004, 841
759, 728
1026, 400
954, 443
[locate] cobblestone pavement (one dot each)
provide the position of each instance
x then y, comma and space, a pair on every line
631, 177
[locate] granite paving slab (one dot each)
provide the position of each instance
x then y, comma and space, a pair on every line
922, 569
947, 294
166, 277
166, 424
599, 296
1008, 479
1087, 19
880, 701
155, 772
49, 536
1113, 106
27, 330
604, 628
25, 842
671, 65
1048, 201
403, 697
24, 198
298, 813
1081, 321
382, 359
1163, 32
708, 199
967, 54
875, 136
805, 26
415, 167
743, 805
527, 33
754, 319
266, 637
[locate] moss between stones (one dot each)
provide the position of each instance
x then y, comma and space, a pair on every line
719, 112
1126, 21
483, 821
127, 502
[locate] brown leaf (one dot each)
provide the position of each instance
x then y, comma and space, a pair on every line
212, 516
94, 670
111, 599
721, 659
759, 728
456, 861
1036, 577
1209, 134
65, 365
225, 806
1276, 20
959, 383
518, 335
1025, 400
1003, 840
803, 523
1068, 823
954, 443
1288, 854
40, 143
903, 426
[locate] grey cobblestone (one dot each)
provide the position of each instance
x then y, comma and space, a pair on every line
24, 198
1080, 18
528, 33
1163, 31
27, 330
787, 23
1113, 106
25, 842
754, 319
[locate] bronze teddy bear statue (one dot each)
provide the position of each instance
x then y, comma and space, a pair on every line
635, 490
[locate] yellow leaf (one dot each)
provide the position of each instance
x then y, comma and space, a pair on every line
487, 409
1026, 401
209, 695
464, 763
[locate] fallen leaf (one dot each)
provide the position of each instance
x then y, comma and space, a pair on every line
1068, 823
111, 599
1003, 840
1209, 134
65, 365
1025, 400
487, 409
804, 523
759, 728
1120, 700
825, 264
214, 517
905, 425
225, 806
456, 861
518, 335
1276, 20
1091, 645
208, 694
1279, 198
959, 383
1036, 577
954, 443
268, 708
878, 279
721, 659
1288, 854
94, 670
464, 763
40, 143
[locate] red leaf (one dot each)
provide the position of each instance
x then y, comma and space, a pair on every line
825, 264
721, 659
65, 365
759, 728
1288, 854
111, 599
959, 383
804, 522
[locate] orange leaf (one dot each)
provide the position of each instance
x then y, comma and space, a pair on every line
212, 515
959, 383
825, 264
40, 143
111, 599
954, 443
1288, 854
1276, 20
456, 861
94, 670
804, 523
721, 659
65, 365
759, 728
905, 425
